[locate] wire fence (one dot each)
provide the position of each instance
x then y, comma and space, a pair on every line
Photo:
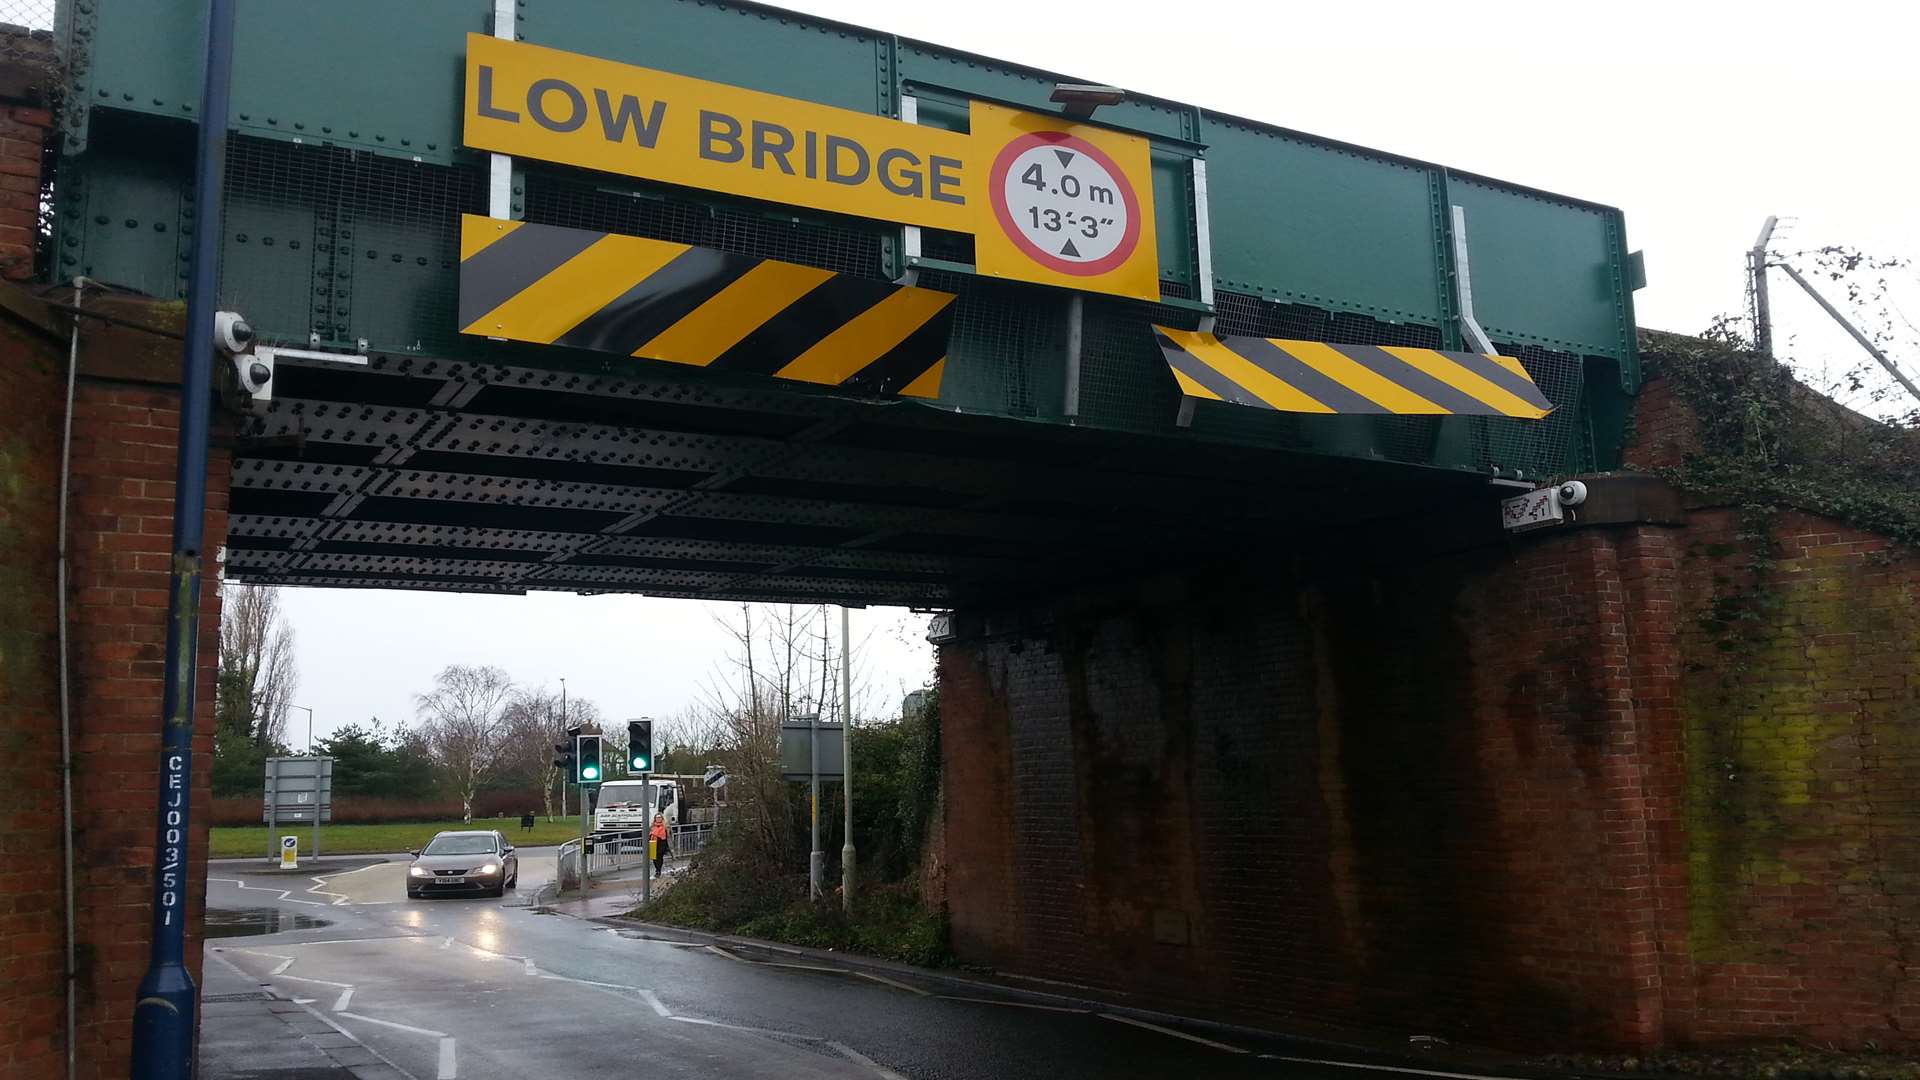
26, 30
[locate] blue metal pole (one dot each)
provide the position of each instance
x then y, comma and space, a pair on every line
164, 1012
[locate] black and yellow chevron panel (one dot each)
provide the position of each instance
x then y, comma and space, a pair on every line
692, 305
1315, 377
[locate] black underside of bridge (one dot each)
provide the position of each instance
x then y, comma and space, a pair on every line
416, 473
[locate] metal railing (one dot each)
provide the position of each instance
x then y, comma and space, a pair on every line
614, 852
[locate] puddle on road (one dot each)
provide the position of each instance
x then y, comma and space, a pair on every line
249, 922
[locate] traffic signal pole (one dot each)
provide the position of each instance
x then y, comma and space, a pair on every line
165, 1006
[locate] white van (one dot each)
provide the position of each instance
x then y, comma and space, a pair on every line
623, 805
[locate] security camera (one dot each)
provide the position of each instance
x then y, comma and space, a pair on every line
232, 333
254, 375
1571, 493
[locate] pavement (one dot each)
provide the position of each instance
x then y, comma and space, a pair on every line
336, 974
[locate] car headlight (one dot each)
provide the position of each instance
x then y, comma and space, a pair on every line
490, 868
418, 872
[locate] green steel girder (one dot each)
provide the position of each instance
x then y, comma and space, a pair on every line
346, 180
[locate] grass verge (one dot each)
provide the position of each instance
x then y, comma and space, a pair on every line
888, 921
239, 843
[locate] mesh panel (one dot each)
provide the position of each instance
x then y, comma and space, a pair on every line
560, 199
1541, 446
26, 31
1003, 337
336, 246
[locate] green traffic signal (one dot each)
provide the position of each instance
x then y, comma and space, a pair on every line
639, 746
589, 758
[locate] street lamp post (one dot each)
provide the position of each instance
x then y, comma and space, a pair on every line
316, 779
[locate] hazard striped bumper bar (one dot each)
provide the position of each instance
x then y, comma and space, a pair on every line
1314, 377
697, 306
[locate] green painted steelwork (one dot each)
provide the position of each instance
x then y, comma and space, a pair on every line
348, 180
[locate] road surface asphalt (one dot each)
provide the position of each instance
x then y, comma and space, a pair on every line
332, 972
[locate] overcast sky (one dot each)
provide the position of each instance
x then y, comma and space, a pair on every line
1696, 119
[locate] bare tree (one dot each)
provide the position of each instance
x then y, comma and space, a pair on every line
257, 672
466, 725
536, 724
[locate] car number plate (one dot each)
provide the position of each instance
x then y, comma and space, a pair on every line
453, 881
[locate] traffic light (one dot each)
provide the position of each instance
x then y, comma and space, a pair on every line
589, 754
567, 754
639, 746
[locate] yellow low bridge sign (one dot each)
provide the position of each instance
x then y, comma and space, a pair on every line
1048, 200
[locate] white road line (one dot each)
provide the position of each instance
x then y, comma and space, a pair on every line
340, 1004
362, 940
284, 895
587, 982
431, 1034
851, 1054
384, 1059
1382, 1068
1014, 1004
447, 1069
531, 968
284, 965
742, 1027
304, 1001
447, 944
895, 983
653, 999
1170, 1031
728, 955
321, 981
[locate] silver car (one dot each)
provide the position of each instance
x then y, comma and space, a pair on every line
477, 862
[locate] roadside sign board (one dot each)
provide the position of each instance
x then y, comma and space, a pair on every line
297, 787
796, 750
289, 852
1048, 200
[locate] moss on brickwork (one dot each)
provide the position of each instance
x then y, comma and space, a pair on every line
1786, 635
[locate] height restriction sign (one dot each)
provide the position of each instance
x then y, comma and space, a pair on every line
1072, 204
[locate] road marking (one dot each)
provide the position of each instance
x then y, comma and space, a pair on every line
447, 944
742, 1027
340, 1004
589, 982
304, 1001
1382, 1068
428, 1032
728, 955
285, 895
531, 968
384, 1059
1170, 1031
1015, 1004
653, 999
448, 1069
895, 983
854, 1055
284, 965
362, 940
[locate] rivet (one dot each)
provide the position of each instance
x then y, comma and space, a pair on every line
246, 116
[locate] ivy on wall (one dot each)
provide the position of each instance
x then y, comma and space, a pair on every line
1767, 441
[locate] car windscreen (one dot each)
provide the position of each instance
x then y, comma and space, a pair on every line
460, 845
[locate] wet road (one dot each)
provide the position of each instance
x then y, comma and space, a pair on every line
491, 988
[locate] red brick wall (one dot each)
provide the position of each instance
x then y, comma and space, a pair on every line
31, 933
23, 134
121, 538
1526, 796
125, 437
